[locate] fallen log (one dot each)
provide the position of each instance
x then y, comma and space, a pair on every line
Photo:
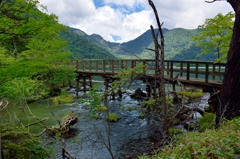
63, 129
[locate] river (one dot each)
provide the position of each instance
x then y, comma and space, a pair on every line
85, 144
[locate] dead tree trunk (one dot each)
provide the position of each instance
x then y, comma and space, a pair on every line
159, 68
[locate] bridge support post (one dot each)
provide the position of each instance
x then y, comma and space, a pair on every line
149, 91
108, 80
106, 83
153, 87
84, 81
77, 87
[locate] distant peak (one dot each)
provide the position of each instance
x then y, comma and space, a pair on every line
96, 36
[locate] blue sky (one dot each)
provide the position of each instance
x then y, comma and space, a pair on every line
137, 7
98, 3
125, 20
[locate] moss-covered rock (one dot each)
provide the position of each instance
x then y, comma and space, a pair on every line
112, 117
66, 98
101, 108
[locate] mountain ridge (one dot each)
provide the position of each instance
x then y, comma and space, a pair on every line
178, 46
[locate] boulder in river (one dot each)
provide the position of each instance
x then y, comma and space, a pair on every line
138, 94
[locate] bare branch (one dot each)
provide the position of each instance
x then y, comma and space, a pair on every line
213, 1
150, 49
156, 16
132, 54
138, 56
36, 122
64, 151
56, 119
3, 104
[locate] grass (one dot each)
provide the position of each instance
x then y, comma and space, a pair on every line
222, 143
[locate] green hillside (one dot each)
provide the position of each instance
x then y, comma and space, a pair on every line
83, 47
137, 45
178, 46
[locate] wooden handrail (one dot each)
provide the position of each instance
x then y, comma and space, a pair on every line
187, 69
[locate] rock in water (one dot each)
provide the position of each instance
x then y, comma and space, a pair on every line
138, 94
63, 129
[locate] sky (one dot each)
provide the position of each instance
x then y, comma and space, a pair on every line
124, 20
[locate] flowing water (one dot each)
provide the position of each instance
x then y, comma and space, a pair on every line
85, 144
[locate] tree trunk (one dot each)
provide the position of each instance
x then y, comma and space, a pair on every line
229, 106
159, 70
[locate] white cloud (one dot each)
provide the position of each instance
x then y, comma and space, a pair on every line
103, 21
71, 10
136, 24
119, 19
188, 13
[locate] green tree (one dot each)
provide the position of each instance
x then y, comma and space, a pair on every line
31, 47
215, 35
229, 105
33, 62
20, 20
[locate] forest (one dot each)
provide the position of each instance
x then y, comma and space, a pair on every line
35, 55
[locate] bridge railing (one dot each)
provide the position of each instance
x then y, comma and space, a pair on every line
104, 65
195, 70
186, 69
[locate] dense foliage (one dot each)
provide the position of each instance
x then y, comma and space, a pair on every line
33, 65
17, 142
33, 56
216, 35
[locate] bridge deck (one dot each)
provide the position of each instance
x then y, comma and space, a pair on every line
200, 74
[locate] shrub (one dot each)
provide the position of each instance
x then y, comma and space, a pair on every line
112, 117
207, 122
175, 131
17, 142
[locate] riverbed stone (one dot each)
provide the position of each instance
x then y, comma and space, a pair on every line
138, 94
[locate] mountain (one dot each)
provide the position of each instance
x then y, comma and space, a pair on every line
139, 44
178, 46
84, 47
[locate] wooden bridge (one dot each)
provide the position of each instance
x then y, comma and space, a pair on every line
205, 75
